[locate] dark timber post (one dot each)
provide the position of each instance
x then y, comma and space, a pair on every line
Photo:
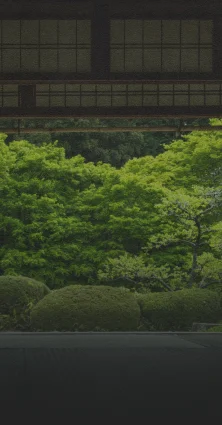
217, 43
27, 96
100, 41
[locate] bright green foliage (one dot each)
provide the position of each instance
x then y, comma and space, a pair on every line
174, 256
210, 269
194, 160
177, 311
18, 294
170, 209
216, 238
131, 210
62, 219
86, 308
132, 272
186, 224
47, 202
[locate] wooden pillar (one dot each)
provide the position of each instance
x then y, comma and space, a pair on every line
100, 41
217, 47
27, 96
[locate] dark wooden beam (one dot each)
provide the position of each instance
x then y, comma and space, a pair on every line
159, 9
164, 9
169, 129
72, 80
26, 78
101, 72
165, 76
47, 9
47, 77
121, 112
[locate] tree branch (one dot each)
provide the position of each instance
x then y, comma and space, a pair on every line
202, 281
147, 277
203, 243
168, 244
162, 281
195, 253
210, 283
187, 242
207, 210
122, 277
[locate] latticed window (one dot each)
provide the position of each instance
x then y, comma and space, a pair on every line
128, 95
45, 46
161, 46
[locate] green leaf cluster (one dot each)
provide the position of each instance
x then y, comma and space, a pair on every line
152, 225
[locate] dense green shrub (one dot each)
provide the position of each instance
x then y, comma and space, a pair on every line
17, 296
214, 329
86, 308
7, 322
217, 289
176, 311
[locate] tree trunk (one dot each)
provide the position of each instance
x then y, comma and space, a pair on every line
195, 253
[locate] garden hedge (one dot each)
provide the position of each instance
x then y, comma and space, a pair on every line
176, 311
86, 308
215, 329
17, 296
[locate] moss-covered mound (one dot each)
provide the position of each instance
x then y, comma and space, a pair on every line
86, 308
176, 311
17, 296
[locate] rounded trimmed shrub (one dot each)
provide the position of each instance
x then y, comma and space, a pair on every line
176, 311
17, 296
86, 308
